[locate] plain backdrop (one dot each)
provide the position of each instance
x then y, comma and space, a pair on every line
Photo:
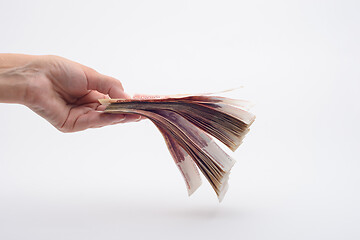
297, 172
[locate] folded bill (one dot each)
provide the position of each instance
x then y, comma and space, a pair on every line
186, 123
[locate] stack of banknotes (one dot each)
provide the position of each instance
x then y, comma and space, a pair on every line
187, 123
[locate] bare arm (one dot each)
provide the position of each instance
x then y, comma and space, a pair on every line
63, 92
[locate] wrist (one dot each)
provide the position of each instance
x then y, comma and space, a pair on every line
16, 76
12, 88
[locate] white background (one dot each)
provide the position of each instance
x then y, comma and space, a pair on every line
297, 175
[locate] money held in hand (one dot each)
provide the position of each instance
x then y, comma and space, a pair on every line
187, 123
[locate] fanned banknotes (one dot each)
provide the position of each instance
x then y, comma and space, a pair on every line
187, 123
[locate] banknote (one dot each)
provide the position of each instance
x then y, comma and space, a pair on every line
188, 123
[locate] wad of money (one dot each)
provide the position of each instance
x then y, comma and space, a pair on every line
188, 123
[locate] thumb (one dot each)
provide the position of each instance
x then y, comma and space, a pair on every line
104, 84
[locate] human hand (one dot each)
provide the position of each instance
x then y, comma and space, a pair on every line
63, 92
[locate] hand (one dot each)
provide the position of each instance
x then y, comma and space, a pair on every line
63, 92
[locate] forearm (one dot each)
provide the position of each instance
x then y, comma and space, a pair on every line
11, 60
14, 77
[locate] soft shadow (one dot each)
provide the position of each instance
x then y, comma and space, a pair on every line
209, 212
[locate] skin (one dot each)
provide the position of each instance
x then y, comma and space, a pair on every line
63, 92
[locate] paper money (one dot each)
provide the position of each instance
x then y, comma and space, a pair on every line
184, 162
186, 123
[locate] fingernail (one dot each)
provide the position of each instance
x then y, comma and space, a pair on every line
120, 120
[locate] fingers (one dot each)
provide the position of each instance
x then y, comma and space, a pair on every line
84, 117
95, 119
91, 97
132, 118
104, 84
